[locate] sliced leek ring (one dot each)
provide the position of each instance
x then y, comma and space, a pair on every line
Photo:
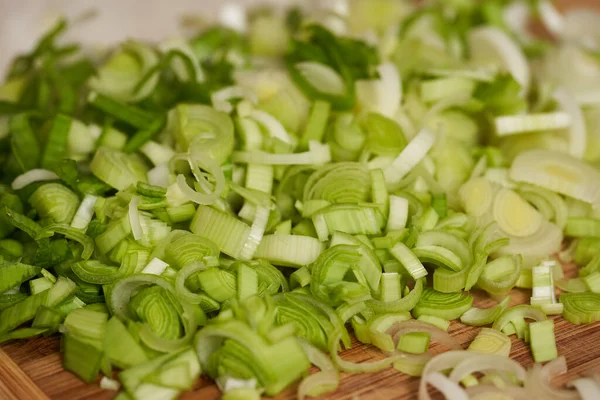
515, 215
476, 196
557, 172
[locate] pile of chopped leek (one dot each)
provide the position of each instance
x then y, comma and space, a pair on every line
235, 204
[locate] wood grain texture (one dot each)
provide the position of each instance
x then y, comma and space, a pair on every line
31, 369
15, 384
34, 368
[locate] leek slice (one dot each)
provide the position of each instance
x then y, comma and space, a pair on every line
189, 249
510, 125
479, 317
117, 169
55, 201
581, 308
23, 311
289, 250
443, 305
410, 156
543, 344
14, 274
228, 233
491, 341
514, 215
557, 172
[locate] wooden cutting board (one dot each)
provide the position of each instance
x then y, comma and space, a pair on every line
32, 369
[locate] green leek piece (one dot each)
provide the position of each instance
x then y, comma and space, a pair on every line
56, 202
516, 315
115, 233
247, 282
543, 343
120, 347
581, 308
289, 250
407, 303
317, 122
500, 275
218, 284
443, 305
346, 218
21, 312
14, 274
311, 324
47, 318
156, 307
390, 287
592, 281
39, 285
180, 372
409, 261
368, 263
81, 358
129, 114
22, 333
479, 317
87, 326
441, 323
414, 342
448, 281
189, 249
491, 341
582, 227
93, 271
76, 235
273, 372
56, 148
117, 169
228, 233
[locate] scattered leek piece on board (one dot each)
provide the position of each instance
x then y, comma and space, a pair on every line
227, 204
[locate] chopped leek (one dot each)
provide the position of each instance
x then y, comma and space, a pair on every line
159, 204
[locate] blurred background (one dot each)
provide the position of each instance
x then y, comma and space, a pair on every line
23, 21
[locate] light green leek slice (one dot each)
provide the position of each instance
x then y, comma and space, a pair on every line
557, 172
189, 249
517, 313
514, 215
81, 358
500, 275
479, 317
543, 343
406, 303
409, 260
491, 341
289, 250
443, 305
228, 233
581, 308
414, 342
510, 125
410, 156
21, 312
121, 295
56, 202
444, 88
368, 263
14, 274
117, 169
120, 347
441, 323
